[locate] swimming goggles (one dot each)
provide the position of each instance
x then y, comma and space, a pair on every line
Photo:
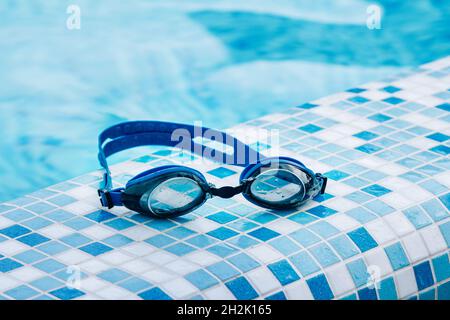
280, 183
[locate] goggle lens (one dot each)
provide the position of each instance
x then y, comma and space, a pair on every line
175, 195
277, 187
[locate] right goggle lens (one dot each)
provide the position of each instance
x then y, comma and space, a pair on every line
277, 187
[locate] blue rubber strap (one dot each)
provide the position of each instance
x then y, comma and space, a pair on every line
132, 134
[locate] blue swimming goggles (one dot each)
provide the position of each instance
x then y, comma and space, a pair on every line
168, 191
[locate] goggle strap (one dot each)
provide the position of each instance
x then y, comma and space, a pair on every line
110, 198
140, 133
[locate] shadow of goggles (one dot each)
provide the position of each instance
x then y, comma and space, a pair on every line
279, 183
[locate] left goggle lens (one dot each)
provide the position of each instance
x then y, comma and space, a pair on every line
174, 196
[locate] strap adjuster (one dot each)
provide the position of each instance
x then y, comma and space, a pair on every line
324, 182
105, 198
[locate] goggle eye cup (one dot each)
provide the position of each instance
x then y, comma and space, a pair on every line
166, 195
173, 196
279, 185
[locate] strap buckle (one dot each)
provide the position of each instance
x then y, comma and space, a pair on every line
105, 198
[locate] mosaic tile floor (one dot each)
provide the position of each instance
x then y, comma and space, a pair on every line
382, 230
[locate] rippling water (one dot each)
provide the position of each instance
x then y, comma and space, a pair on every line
221, 62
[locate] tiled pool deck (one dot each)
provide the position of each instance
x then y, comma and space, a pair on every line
382, 230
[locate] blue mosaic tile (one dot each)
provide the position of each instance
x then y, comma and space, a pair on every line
37, 223
222, 233
445, 230
441, 266
387, 289
264, 234
380, 117
95, 248
444, 291
361, 215
7, 265
320, 288
303, 218
284, 245
222, 250
391, 89
417, 217
379, 207
358, 272
18, 215
134, 284
221, 172
117, 240
40, 207
428, 295
242, 225
367, 294
49, 265
241, 289
397, 256
15, 231
223, 270
222, 217
21, 292
61, 200
440, 137
321, 211
119, 224
243, 262
160, 225
307, 106
33, 239
366, 135
310, 128
201, 279
180, 232
59, 215
67, 293
284, 272
362, 239
29, 256
46, 283
304, 263
304, 237
336, 175
344, 247
424, 276
376, 190
276, 296
113, 275
200, 241
78, 223
100, 216
52, 247
243, 242
75, 239
180, 249
324, 255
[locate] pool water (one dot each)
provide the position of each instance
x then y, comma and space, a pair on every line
221, 62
